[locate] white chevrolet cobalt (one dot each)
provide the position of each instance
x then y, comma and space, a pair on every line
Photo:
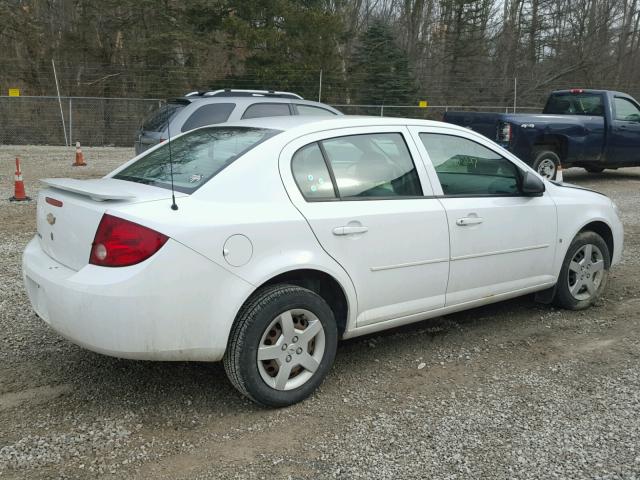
287, 234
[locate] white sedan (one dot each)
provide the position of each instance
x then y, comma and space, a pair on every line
291, 233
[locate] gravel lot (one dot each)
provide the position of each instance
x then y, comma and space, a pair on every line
512, 390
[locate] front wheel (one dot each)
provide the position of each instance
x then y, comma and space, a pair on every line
281, 346
546, 162
584, 273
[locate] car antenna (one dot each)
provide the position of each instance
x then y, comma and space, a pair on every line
174, 205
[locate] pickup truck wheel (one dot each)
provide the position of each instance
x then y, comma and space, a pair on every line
281, 345
546, 162
584, 273
594, 169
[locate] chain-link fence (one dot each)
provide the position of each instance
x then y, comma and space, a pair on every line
95, 121
91, 120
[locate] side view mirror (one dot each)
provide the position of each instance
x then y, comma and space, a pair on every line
532, 185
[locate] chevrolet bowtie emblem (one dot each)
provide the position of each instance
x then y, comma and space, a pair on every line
51, 219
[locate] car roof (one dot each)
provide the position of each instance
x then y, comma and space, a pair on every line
293, 123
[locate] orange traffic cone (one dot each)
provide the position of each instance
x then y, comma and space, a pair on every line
79, 157
20, 195
559, 174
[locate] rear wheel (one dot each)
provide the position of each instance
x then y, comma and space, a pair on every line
584, 273
281, 346
546, 162
594, 169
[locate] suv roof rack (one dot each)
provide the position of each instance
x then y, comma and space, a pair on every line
232, 92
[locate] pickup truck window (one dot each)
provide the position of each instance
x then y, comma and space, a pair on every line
575, 104
467, 168
626, 110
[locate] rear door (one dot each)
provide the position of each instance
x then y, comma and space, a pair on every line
500, 241
624, 142
371, 207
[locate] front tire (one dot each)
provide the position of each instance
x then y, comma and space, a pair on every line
281, 345
546, 163
584, 273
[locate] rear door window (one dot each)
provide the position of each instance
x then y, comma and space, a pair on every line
157, 121
313, 111
209, 115
372, 165
258, 110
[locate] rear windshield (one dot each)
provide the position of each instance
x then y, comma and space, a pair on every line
157, 121
196, 157
575, 104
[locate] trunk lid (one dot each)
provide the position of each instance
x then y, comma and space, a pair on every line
69, 212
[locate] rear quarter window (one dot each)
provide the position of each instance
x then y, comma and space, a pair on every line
310, 110
258, 110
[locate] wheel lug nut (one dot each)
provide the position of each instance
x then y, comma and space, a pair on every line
284, 347
288, 358
294, 339
299, 350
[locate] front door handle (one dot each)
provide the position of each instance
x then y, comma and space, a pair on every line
463, 222
349, 230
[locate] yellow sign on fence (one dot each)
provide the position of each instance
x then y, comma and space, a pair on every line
423, 104
14, 92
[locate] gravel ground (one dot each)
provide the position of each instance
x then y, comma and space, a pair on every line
512, 390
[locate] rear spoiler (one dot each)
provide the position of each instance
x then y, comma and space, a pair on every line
99, 189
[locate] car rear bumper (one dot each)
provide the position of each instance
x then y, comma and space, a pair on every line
177, 305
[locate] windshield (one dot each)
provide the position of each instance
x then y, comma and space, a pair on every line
575, 104
196, 157
157, 121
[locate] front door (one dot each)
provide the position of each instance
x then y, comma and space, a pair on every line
501, 241
370, 205
624, 141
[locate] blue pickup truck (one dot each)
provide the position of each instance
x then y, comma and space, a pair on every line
592, 129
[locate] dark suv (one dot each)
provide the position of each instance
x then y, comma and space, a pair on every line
197, 109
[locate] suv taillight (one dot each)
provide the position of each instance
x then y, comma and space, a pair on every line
120, 243
504, 132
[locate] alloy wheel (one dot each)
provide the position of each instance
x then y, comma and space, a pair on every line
291, 349
586, 271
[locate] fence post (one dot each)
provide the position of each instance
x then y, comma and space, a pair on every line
70, 122
382, 110
515, 93
320, 87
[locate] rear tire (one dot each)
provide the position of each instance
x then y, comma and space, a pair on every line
594, 169
546, 162
269, 358
584, 272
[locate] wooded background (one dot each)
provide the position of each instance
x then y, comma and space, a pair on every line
482, 54
391, 52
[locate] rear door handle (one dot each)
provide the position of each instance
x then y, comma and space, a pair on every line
349, 230
463, 222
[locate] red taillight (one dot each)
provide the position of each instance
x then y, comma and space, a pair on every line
53, 201
576, 90
120, 243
